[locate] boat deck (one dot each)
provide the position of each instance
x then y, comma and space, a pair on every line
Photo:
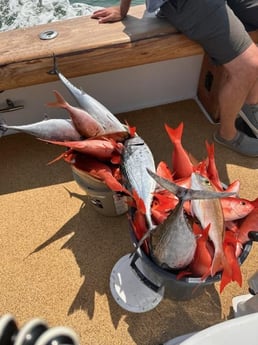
57, 252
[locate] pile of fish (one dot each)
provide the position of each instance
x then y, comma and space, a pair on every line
202, 225
184, 218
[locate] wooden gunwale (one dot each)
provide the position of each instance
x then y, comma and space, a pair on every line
83, 47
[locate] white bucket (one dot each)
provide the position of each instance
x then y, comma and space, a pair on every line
103, 200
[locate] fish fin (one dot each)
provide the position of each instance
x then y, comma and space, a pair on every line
193, 160
255, 202
164, 171
115, 159
234, 187
183, 274
226, 278
113, 184
56, 159
60, 101
143, 239
63, 155
233, 272
139, 202
186, 193
131, 130
175, 134
54, 142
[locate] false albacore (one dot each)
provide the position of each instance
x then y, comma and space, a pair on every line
136, 158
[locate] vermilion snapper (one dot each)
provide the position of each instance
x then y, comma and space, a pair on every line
235, 208
104, 149
98, 170
202, 261
210, 212
248, 224
85, 124
181, 163
233, 272
97, 110
212, 171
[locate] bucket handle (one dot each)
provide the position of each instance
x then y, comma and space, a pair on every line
253, 235
142, 277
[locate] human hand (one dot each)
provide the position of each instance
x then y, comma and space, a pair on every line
110, 14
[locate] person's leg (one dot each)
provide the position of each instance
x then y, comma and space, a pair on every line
247, 12
222, 35
241, 83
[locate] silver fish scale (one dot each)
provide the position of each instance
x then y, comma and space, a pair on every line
136, 158
173, 242
97, 110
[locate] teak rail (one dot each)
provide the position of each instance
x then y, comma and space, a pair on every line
83, 46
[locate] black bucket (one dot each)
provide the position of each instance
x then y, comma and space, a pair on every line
155, 277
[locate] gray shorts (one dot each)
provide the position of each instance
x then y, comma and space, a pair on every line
212, 24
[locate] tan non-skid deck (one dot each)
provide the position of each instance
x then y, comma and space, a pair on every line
57, 252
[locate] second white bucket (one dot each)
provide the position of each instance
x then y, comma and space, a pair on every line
103, 200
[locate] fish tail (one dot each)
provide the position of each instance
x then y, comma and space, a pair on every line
226, 277
231, 273
131, 130
3, 127
175, 134
139, 202
60, 101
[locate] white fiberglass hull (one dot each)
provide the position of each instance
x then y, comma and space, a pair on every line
120, 91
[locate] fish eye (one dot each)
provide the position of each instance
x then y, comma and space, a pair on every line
243, 203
